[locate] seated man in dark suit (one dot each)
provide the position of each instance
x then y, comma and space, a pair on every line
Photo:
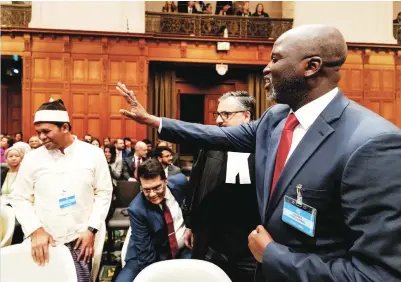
131, 164
156, 221
165, 157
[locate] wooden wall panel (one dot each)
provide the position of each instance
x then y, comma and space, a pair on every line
82, 68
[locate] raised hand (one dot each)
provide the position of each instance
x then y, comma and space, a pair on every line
136, 111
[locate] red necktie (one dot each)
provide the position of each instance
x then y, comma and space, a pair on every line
138, 163
170, 229
284, 148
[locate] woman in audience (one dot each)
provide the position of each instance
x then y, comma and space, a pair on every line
96, 142
259, 11
6, 142
106, 141
245, 10
18, 136
14, 157
169, 7
116, 167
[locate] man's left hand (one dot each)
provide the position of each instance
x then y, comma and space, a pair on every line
258, 241
87, 241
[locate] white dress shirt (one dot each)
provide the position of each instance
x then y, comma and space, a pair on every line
178, 219
119, 155
306, 115
166, 171
45, 176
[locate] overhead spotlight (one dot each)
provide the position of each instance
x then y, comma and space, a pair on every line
221, 69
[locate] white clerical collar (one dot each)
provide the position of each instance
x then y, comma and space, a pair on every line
237, 163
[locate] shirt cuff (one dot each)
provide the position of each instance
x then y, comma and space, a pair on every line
160, 126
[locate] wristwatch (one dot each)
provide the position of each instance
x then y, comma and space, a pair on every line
93, 230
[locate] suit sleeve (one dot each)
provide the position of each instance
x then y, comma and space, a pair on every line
370, 199
237, 138
126, 174
144, 249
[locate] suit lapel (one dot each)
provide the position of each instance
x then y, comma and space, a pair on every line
318, 132
270, 161
314, 137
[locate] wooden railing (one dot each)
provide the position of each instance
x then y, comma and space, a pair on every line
397, 32
15, 15
200, 25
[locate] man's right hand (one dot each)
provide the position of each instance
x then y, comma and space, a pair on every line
136, 112
189, 238
40, 240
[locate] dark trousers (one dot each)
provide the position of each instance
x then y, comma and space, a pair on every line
239, 270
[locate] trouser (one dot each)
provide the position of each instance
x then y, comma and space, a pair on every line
239, 270
83, 269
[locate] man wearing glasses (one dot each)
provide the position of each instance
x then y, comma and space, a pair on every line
221, 202
156, 221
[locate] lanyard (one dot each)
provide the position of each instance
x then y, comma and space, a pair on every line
9, 185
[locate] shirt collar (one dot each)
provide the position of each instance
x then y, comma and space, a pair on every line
307, 114
68, 149
168, 196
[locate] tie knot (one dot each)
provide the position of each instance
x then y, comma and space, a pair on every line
164, 204
291, 122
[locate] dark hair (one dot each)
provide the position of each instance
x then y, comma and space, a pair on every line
10, 142
57, 105
246, 101
112, 152
95, 139
159, 151
20, 133
151, 169
147, 141
87, 134
108, 138
127, 139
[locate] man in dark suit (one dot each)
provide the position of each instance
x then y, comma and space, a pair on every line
131, 163
188, 9
156, 221
220, 183
165, 157
327, 169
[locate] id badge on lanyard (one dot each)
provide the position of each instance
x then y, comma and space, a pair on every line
299, 215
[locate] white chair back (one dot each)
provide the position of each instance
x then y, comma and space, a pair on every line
182, 270
7, 225
97, 257
17, 265
125, 247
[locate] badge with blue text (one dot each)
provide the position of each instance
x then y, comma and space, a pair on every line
299, 215
67, 201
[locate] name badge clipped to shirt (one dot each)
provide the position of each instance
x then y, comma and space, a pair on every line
67, 200
299, 215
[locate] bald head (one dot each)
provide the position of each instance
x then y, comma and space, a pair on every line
140, 145
323, 41
305, 64
141, 149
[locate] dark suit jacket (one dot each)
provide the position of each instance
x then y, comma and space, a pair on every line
149, 241
173, 170
129, 166
212, 205
349, 165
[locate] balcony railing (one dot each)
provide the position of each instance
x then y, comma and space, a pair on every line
397, 32
201, 25
15, 15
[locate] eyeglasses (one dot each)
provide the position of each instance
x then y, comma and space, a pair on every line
225, 115
156, 189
